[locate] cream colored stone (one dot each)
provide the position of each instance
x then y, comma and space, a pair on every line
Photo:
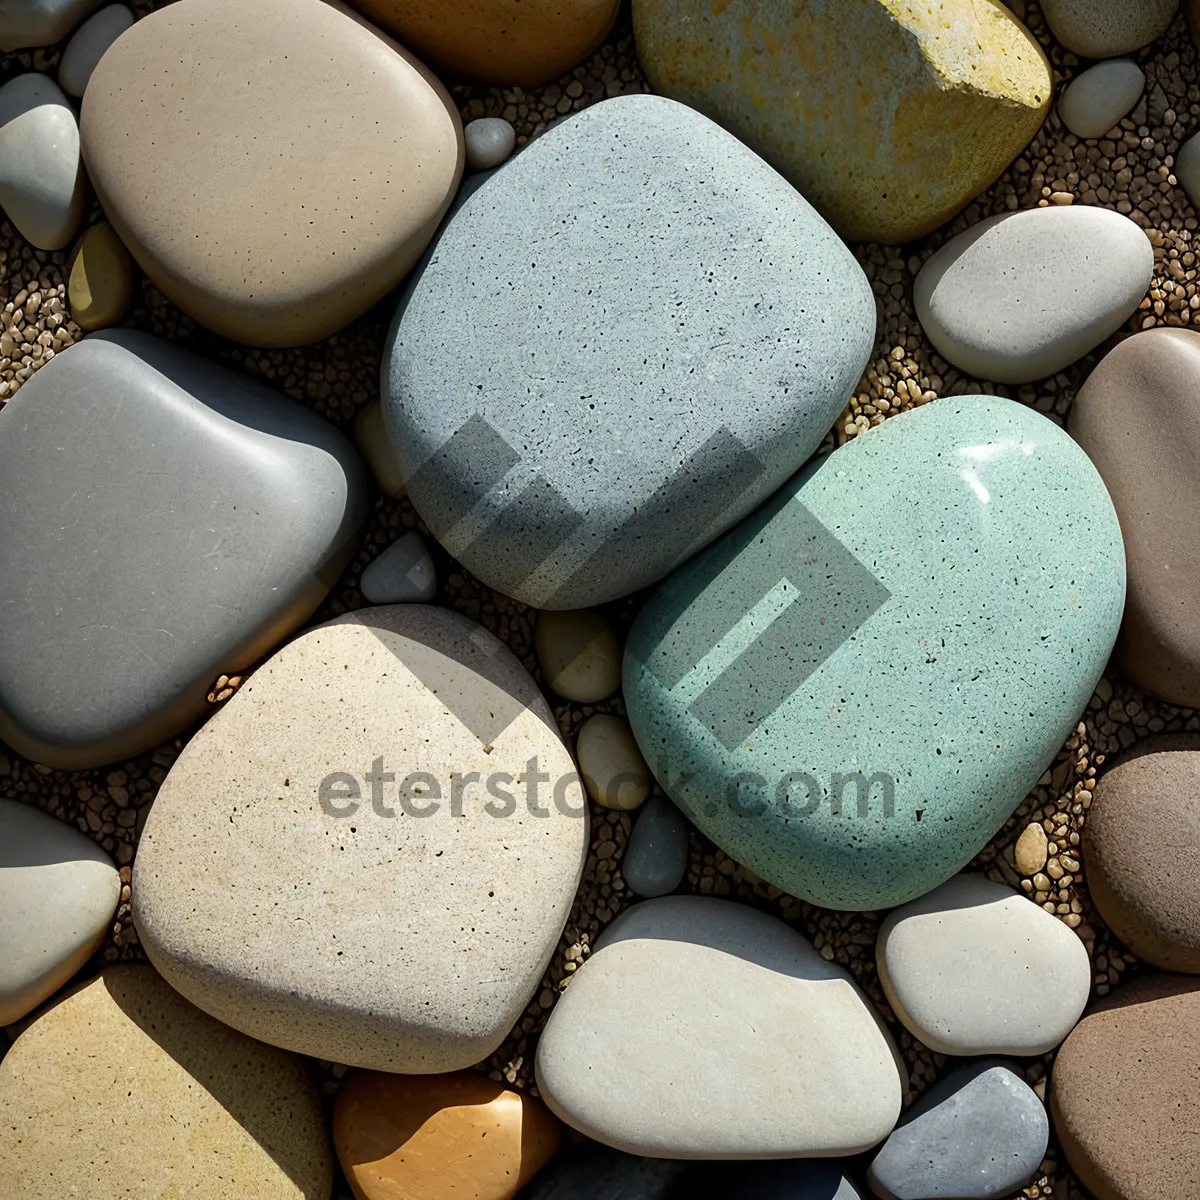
579, 654
99, 279
369, 853
1031, 849
612, 766
125, 1089
371, 437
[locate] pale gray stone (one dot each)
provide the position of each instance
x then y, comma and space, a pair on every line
88, 44
25, 23
490, 141
403, 574
657, 856
1098, 98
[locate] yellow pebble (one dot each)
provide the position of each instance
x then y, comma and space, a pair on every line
99, 279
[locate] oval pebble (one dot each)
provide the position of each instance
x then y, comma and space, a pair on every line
1031, 850
489, 141
613, 769
403, 574
1022, 295
1099, 97
99, 279
976, 968
1104, 28
657, 857
86, 48
579, 654
371, 438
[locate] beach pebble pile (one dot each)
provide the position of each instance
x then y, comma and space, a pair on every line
586, 590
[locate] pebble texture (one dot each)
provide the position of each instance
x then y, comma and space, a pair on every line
58, 892
363, 920
657, 856
41, 174
439, 1137
661, 332
976, 968
980, 1133
579, 655
854, 690
403, 574
489, 142
99, 279
1023, 295
165, 1101
1142, 853
318, 231
1125, 1090
611, 764
86, 48
1138, 419
132, 580
498, 41
687, 996
1099, 97
853, 102
26, 23
1103, 28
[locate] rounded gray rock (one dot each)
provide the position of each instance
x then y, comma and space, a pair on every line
403, 574
621, 343
88, 44
657, 857
1098, 98
489, 142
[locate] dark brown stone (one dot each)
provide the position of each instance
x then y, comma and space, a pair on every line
1126, 1088
1138, 419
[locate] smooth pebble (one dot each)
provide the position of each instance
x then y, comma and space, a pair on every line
1099, 97
490, 141
613, 769
25, 23
371, 438
403, 574
1104, 28
99, 279
579, 654
86, 48
657, 857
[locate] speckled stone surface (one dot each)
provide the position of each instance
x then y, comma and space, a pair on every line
852, 691
132, 580
1096, 99
687, 997
1125, 1090
856, 102
975, 967
1102, 28
58, 892
350, 860
163, 1101
1022, 295
657, 857
980, 1133
275, 168
1138, 418
622, 342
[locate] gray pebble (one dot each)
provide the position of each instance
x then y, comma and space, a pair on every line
595, 1172
402, 574
1097, 99
490, 141
658, 850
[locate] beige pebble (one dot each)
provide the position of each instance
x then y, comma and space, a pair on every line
1031, 848
579, 655
613, 769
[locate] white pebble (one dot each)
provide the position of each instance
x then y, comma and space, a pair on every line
490, 140
1096, 100
87, 47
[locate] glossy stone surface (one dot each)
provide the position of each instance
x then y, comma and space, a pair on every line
166, 521
637, 376
1099, 97
1138, 419
349, 859
657, 857
163, 1101
1125, 1089
888, 116
980, 1133
319, 230
792, 1062
852, 691
1102, 28
88, 44
1023, 295
58, 892
439, 1137
26, 23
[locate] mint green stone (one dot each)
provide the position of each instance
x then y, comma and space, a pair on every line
855, 688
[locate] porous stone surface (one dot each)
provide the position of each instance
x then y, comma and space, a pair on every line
99, 279
853, 690
375, 880
88, 44
163, 1101
39, 22
854, 102
791, 1062
403, 574
1138, 420
1023, 295
489, 142
637, 375
320, 228
579, 655
439, 1137
58, 892
1103, 28
166, 520
1142, 853
1099, 97
976, 968
41, 174
1125, 1089
980, 1133
498, 41
611, 764
657, 857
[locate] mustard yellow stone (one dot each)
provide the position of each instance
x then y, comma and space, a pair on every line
888, 115
99, 279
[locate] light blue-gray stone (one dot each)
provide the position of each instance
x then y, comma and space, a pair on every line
619, 346
657, 856
853, 690
403, 574
978, 1134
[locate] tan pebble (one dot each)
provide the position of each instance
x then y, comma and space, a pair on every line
1030, 851
579, 655
613, 770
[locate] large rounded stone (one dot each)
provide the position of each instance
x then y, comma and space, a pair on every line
976, 968
659, 332
853, 100
125, 1089
1142, 852
369, 853
166, 521
852, 691
275, 168
58, 892
498, 41
1125, 1090
1104, 28
1138, 419
1023, 295
687, 998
